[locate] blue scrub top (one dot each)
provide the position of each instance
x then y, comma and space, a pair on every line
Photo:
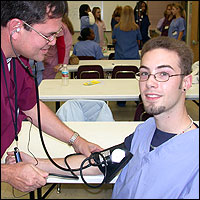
176, 26
126, 46
88, 48
171, 171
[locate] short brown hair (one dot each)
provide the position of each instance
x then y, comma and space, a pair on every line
183, 51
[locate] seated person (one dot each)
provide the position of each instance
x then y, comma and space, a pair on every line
165, 162
87, 46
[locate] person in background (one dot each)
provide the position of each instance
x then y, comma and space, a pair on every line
177, 28
59, 53
165, 164
87, 20
39, 66
28, 30
116, 16
126, 35
142, 19
101, 26
87, 46
164, 23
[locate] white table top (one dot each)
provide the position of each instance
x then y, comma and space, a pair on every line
107, 65
107, 90
106, 134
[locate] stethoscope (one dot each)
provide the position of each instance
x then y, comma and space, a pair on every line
74, 176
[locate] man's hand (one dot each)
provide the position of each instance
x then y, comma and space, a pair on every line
24, 176
10, 159
83, 146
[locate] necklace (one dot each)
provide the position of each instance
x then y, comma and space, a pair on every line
188, 127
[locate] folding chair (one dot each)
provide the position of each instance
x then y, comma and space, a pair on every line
90, 72
124, 71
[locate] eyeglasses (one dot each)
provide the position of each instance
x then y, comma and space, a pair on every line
48, 38
160, 76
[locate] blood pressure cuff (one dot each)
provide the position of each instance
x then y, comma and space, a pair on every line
116, 158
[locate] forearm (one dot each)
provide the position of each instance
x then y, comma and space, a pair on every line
91, 18
180, 35
73, 161
50, 123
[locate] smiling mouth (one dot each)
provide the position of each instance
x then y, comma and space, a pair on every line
152, 96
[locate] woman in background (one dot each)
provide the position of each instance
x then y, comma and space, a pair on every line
116, 16
101, 25
88, 21
87, 46
126, 35
142, 19
59, 53
164, 23
177, 28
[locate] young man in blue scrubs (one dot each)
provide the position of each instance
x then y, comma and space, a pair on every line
165, 148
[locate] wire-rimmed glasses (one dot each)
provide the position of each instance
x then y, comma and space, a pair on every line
159, 76
48, 38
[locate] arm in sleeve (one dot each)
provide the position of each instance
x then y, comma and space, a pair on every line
91, 18
60, 43
128, 140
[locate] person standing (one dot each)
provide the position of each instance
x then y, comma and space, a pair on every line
116, 16
28, 30
59, 53
177, 28
164, 23
126, 35
87, 20
101, 26
142, 19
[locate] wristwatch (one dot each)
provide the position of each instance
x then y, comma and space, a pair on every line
73, 138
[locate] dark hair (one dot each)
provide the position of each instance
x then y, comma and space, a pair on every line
138, 7
84, 34
183, 51
32, 12
117, 12
82, 10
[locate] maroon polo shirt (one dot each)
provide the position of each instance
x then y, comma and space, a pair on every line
26, 99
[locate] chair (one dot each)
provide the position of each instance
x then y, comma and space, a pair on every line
111, 56
140, 113
86, 57
124, 71
90, 72
85, 110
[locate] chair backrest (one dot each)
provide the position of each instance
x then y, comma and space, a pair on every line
124, 71
86, 57
90, 72
85, 110
111, 56
140, 113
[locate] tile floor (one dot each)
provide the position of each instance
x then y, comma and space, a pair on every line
80, 191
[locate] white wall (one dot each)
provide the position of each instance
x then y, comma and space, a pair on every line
107, 8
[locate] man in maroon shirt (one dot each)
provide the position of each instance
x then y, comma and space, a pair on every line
28, 29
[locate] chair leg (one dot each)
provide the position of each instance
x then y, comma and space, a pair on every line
58, 188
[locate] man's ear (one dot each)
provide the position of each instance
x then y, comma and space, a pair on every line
14, 26
187, 82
